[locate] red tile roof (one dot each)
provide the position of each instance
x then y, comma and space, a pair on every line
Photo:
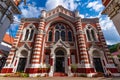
8, 39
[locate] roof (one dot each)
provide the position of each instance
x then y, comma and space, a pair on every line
115, 53
8, 39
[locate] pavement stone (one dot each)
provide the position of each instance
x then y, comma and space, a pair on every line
58, 78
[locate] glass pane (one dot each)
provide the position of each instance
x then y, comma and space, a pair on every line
57, 35
73, 59
93, 35
69, 36
31, 35
0, 14
47, 59
57, 27
88, 35
26, 35
50, 36
62, 27
63, 35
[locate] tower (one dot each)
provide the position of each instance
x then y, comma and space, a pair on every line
57, 41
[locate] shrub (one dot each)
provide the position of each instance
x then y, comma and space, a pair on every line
24, 75
83, 75
74, 67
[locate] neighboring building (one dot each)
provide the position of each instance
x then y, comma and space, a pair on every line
7, 42
7, 9
116, 58
115, 50
112, 9
5, 47
55, 41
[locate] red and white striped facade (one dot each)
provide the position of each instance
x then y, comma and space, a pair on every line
78, 41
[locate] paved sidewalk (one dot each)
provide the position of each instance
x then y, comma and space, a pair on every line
57, 78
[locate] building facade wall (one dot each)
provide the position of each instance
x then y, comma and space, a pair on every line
43, 50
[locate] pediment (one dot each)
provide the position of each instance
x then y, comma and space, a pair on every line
61, 43
26, 46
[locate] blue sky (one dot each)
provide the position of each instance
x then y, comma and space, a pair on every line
87, 9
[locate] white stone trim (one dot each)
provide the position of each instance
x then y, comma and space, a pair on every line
37, 48
35, 60
38, 45
36, 52
39, 39
36, 56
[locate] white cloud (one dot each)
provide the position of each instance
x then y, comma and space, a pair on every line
69, 4
96, 5
106, 23
30, 10
110, 33
82, 16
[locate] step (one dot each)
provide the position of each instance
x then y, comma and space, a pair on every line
59, 74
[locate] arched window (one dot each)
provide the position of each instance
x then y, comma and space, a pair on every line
62, 27
57, 27
31, 35
63, 35
47, 58
88, 35
69, 36
57, 35
91, 34
73, 58
50, 36
26, 35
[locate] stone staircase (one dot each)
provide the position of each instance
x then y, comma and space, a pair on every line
59, 74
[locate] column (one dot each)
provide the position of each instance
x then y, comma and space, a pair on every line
83, 56
37, 51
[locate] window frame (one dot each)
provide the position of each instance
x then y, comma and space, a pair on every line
30, 28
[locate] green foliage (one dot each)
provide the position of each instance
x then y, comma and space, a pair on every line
24, 75
114, 48
74, 67
48, 65
6, 75
118, 56
17, 74
83, 75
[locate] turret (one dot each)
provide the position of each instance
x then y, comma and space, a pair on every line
43, 13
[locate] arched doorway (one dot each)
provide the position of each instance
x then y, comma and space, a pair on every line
60, 61
97, 61
22, 61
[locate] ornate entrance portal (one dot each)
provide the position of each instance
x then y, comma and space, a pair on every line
60, 61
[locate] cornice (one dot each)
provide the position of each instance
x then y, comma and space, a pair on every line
72, 19
112, 9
